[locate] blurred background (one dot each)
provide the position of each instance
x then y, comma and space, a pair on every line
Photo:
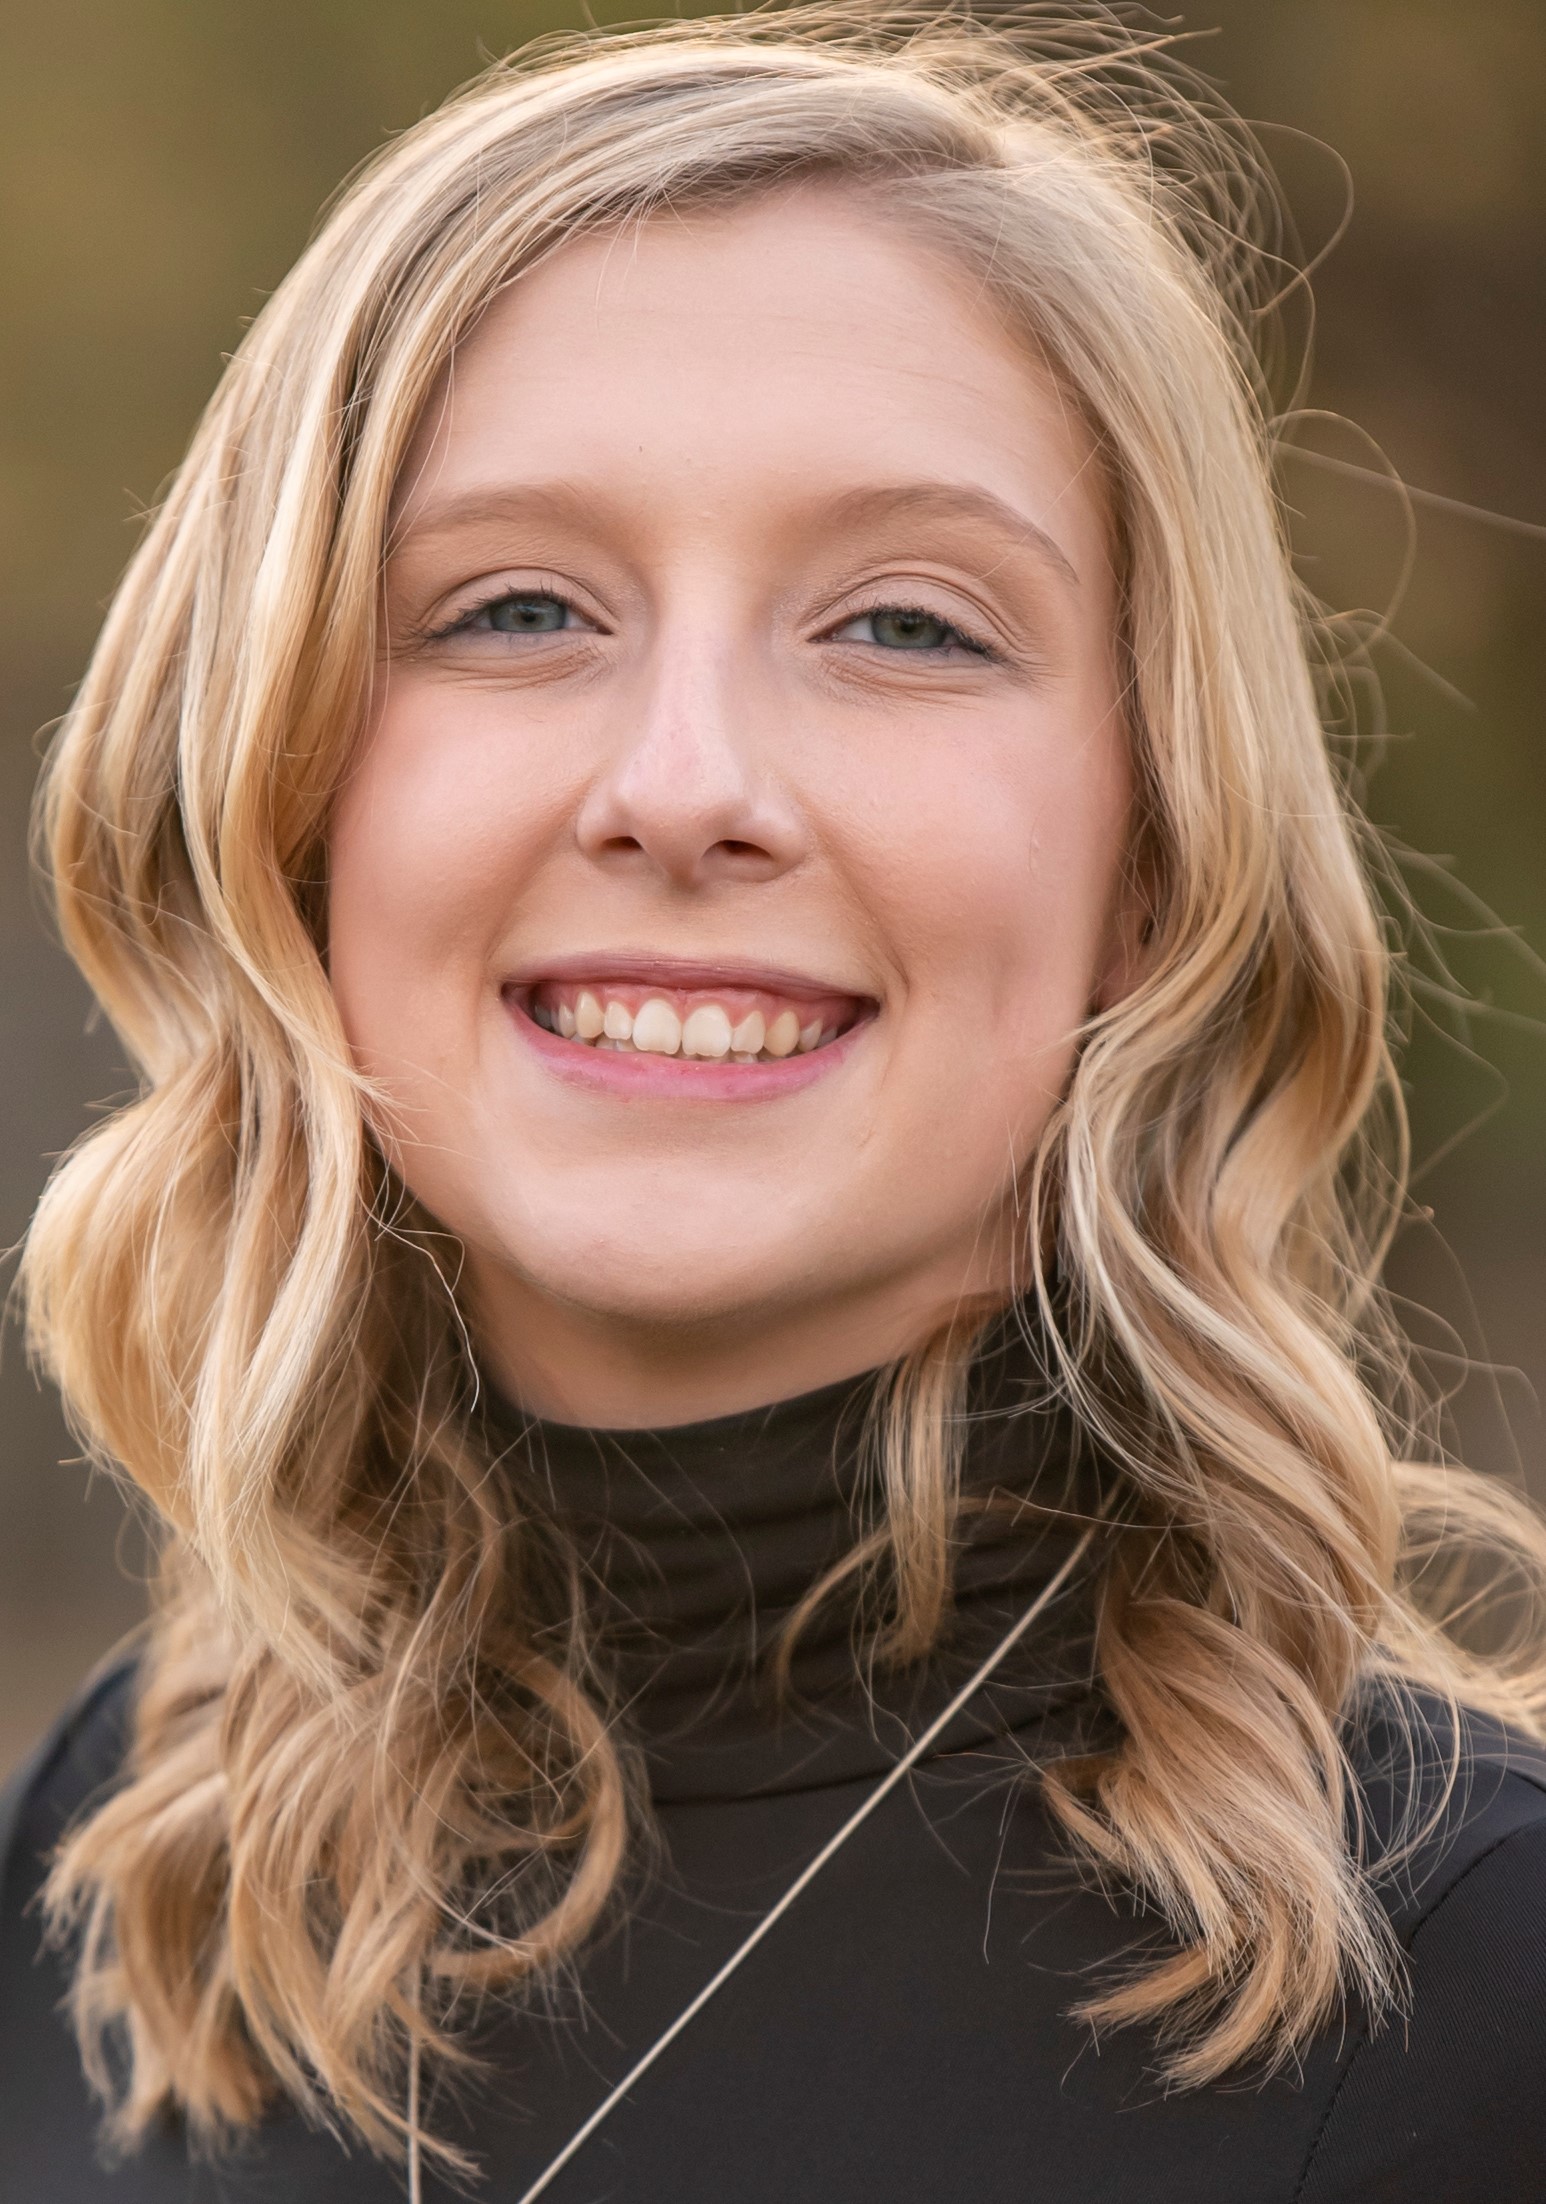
161, 164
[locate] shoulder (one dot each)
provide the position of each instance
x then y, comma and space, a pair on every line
79, 1760
49, 2133
1444, 2101
1437, 1788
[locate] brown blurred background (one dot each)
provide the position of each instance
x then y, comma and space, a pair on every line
161, 163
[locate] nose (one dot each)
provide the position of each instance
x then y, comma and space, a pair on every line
689, 793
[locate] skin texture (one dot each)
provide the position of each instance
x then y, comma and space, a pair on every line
724, 443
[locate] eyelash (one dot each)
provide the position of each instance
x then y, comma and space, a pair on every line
963, 637
960, 636
462, 622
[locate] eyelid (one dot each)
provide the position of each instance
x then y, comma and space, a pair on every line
548, 585
978, 641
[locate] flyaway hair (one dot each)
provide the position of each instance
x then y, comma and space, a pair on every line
371, 1777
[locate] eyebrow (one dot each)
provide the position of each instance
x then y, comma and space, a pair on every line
943, 501
484, 505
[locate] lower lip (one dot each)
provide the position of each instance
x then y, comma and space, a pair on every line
676, 1078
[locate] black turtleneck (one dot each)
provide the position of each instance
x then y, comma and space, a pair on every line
903, 2035
696, 1544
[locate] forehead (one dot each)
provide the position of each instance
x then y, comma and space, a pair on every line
802, 342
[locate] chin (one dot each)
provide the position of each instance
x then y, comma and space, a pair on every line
679, 1281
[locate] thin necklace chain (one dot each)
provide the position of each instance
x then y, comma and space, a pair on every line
807, 1875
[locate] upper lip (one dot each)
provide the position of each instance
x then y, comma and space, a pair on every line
632, 969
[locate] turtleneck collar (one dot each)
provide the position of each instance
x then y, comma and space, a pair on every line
696, 1542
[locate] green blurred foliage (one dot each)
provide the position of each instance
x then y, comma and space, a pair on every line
1431, 316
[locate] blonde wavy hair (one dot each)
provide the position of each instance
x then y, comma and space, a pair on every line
369, 1775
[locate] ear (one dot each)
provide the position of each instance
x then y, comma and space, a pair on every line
1128, 946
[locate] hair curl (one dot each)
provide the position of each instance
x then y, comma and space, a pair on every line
368, 1770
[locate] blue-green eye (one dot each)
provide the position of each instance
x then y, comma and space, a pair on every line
906, 627
533, 613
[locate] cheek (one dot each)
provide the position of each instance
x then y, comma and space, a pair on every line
425, 850
1000, 875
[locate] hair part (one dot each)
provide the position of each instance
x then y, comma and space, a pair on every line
372, 1774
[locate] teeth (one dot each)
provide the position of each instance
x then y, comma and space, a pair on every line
749, 1035
707, 1032
657, 1030
783, 1035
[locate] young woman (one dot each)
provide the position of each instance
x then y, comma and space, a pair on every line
747, 1263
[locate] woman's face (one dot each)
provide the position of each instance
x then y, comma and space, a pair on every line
751, 696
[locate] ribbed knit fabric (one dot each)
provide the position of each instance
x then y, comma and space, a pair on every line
697, 1543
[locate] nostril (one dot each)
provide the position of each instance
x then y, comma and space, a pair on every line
687, 858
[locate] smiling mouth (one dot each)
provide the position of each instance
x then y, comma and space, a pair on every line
709, 1025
